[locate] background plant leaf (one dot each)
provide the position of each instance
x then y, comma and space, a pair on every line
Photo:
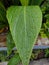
2, 12
10, 43
14, 60
36, 2
24, 2
3, 20
25, 23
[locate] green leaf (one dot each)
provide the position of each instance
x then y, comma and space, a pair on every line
47, 16
14, 60
10, 43
24, 2
36, 2
2, 12
25, 23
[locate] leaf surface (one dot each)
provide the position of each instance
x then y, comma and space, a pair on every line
25, 23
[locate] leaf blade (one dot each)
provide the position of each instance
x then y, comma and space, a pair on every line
26, 20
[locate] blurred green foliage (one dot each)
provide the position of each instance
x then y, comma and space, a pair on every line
45, 25
36, 55
3, 55
47, 53
10, 43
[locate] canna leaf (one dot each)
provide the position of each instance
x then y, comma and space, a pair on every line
25, 23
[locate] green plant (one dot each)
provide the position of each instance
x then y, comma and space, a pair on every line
35, 54
45, 26
47, 53
2, 56
28, 13
23, 20
10, 43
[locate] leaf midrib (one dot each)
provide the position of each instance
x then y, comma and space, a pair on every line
25, 22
